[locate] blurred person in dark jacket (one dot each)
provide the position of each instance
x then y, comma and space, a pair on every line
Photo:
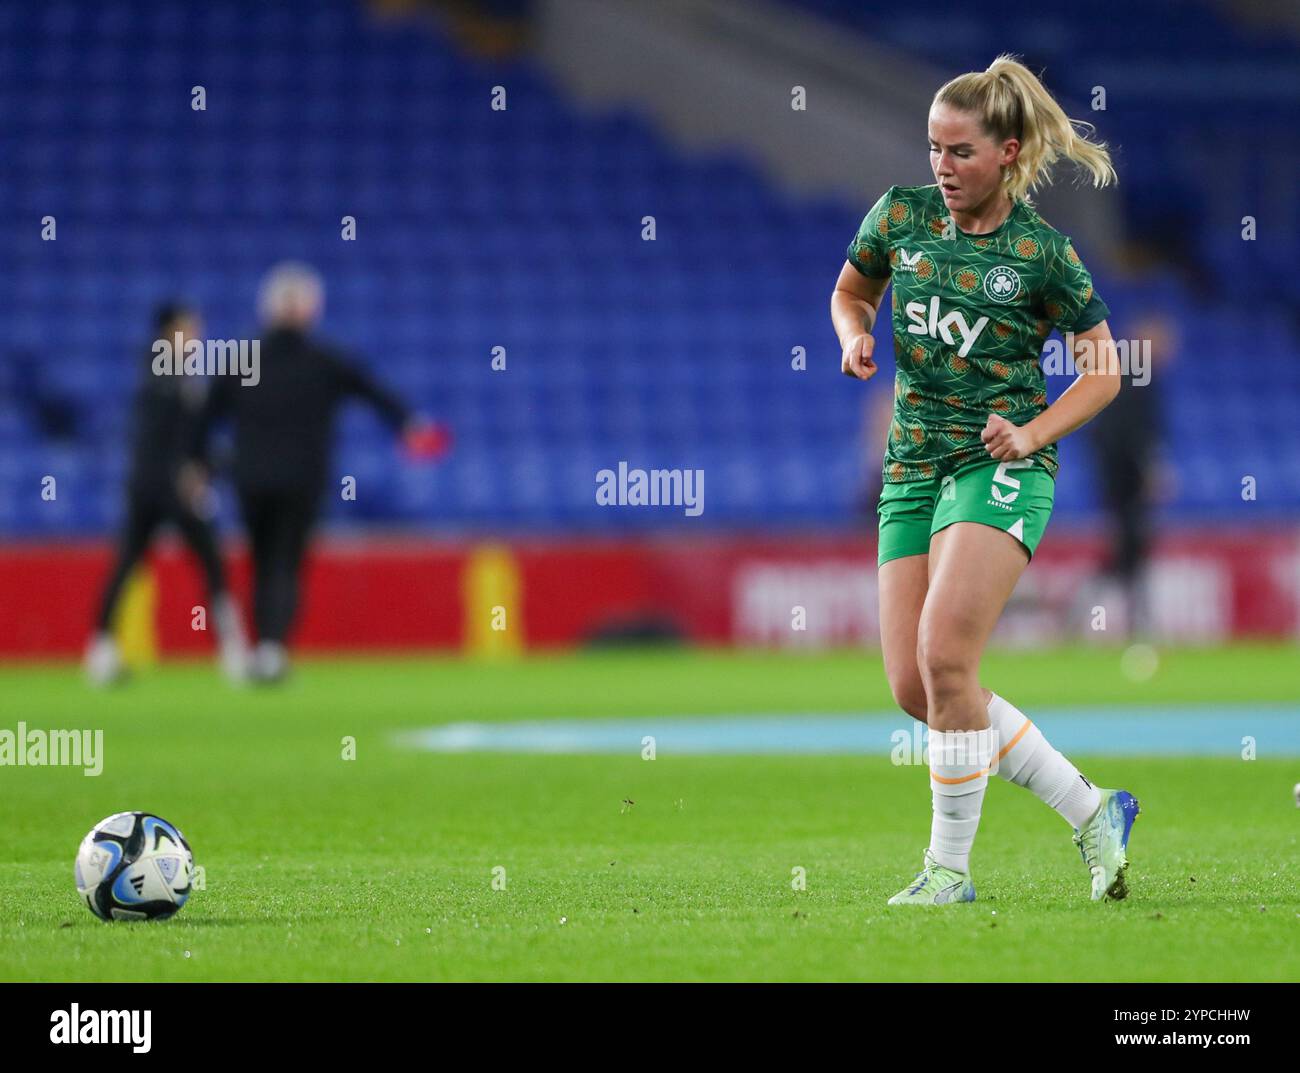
164, 414
283, 436
877, 420
1127, 441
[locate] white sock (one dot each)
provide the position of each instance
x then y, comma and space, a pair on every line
1027, 759
959, 775
226, 615
231, 642
103, 660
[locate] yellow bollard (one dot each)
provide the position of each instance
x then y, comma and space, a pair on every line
136, 624
490, 587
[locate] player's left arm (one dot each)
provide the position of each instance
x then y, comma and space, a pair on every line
1093, 389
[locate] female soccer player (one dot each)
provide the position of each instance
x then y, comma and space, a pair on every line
979, 282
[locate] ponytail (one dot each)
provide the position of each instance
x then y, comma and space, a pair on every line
1012, 103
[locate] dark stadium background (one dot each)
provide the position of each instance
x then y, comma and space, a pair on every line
521, 228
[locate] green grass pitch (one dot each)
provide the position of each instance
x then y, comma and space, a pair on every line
381, 868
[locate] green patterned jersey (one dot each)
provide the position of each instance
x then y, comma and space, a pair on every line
970, 316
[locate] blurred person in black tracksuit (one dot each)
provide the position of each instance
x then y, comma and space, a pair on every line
283, 433
164, 415
1127, 440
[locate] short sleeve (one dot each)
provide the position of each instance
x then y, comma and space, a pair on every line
1069, 300
869, 250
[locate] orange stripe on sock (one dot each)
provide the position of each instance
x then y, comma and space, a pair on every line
954, 782
1012, 743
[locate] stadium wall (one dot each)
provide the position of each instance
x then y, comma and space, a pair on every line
860, 130
812, 592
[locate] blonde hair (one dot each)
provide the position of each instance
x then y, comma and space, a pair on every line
1010, 102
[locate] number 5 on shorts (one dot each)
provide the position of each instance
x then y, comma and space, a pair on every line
1001, 476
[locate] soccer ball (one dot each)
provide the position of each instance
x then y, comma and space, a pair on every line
134, 866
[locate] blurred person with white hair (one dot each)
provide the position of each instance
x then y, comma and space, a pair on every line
283, 433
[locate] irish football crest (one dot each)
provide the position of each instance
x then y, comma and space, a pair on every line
1002, 284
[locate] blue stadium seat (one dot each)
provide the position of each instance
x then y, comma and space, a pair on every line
478, 229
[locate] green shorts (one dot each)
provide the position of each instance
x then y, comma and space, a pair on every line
1015, 497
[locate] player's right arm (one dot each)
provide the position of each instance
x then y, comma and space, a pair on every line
855, 303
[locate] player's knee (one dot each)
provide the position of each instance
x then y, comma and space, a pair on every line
944, 664
909, 694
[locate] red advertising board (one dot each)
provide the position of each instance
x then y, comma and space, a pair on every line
810, 591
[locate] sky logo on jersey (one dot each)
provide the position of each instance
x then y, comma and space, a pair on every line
940, 327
